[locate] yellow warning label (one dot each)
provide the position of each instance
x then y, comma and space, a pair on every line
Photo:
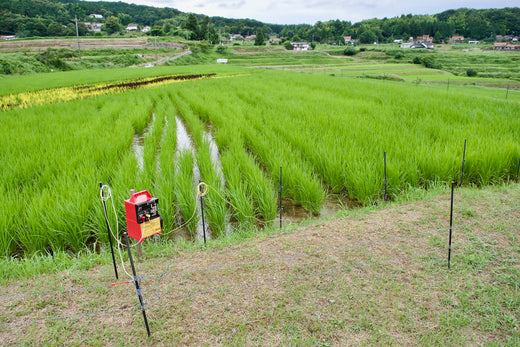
150, 228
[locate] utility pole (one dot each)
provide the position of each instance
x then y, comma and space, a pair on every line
77, 37
155, 45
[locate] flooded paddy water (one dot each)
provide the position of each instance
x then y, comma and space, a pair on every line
291, 212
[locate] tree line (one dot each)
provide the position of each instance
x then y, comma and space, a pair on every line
28, 18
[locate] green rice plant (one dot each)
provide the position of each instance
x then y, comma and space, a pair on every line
261, 187
329, 134
165, 182
185, 190
216, 210
240, 199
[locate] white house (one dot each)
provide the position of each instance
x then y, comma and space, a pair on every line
132, 27
301, 46
96, 16
234, 37
146, 29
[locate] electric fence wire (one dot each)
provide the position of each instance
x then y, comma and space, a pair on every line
72, 316
213, 290
56, 292
159, 297
328, 250
314, 274
269, 260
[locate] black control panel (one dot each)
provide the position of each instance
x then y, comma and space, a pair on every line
147, 210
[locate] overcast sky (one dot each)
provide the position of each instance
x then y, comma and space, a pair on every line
311, 11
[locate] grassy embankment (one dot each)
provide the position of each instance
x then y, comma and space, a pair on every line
377, 275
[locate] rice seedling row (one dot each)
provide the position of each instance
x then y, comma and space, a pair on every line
329, 134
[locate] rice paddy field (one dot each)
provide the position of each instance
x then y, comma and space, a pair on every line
232, 128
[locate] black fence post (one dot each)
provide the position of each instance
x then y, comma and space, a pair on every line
463, 160
108, 228
280, 197
136, 282
386, 180
517, 171
451, 223
202, 213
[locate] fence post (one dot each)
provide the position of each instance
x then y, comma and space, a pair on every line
202, 214
136, 282
451, 223
280, 197
386, 181
108, 229
517, 171
463, 160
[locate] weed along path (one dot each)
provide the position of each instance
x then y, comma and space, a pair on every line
371, 276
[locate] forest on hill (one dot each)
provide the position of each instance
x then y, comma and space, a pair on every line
51, 18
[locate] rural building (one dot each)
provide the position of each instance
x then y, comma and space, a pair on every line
424, 38
8, 37
96, 16
301, 46
398, 41
457, 39
506, 46
348, 39
407, 45
146, 29
132, 27
250, 38
234, 37
276, 40
472, 42
93, 26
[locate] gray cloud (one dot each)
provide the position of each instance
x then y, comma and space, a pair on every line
232, 5
311, 11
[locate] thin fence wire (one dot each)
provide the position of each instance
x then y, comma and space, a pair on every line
267, 260
158, 296
328, 250
72, 316
55, 292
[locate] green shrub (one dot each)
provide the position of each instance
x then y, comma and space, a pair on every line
288, 46
221, 49
431, 63
417, 60
350, 51
471, 73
